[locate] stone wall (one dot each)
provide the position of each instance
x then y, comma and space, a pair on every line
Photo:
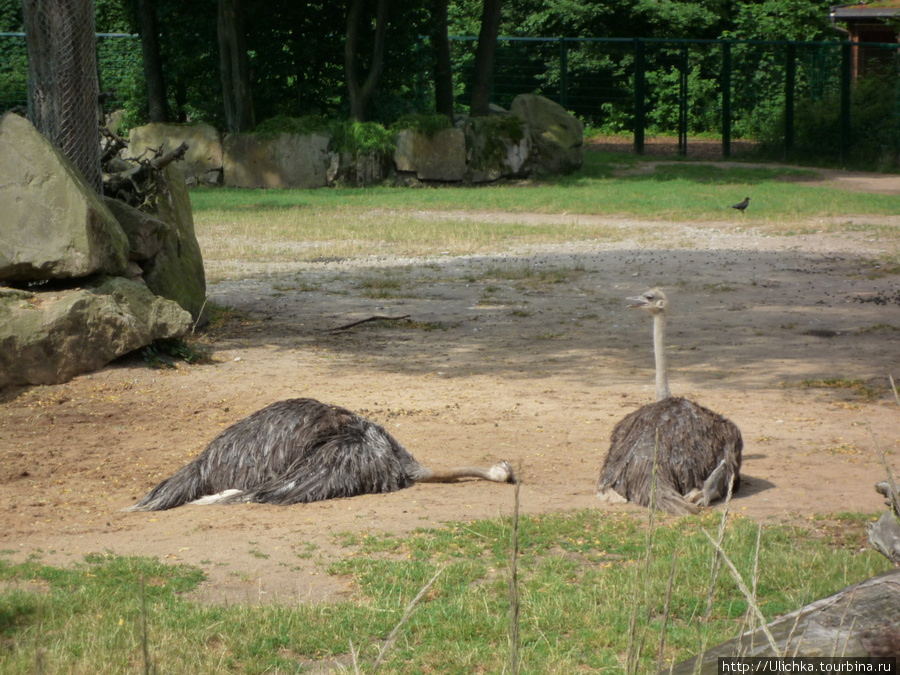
549, 141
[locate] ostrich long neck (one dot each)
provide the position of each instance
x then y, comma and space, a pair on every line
497, 473
659, 351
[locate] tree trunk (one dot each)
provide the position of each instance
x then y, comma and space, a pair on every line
361, 94
484, 58
443, 72
153, 70
234, 67
62, 79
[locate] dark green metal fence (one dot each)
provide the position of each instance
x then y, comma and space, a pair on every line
834, 101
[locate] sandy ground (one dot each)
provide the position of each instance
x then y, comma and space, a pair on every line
494, 364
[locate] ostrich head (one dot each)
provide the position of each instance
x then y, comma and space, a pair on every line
654, 301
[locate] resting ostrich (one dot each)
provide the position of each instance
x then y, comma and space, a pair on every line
697, 450
301, 450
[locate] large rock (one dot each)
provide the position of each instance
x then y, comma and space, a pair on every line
281, 161
146, 234
49, 337
204, 158
176, 272
497, 147
440, 156
556, 136
53, 224
367, 169
884, 536
821, 628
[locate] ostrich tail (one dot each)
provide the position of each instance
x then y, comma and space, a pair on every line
181, 488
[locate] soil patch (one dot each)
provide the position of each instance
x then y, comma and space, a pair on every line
526, 355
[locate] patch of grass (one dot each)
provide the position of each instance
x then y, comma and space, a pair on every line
384, 286
427, 326
710, 173
290, 225
861, 388
576, 577
163, 353
529, 276
256, 553
298, 286
879, 328
877, 269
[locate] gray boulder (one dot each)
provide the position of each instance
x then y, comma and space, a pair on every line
50, 337
884, 534
822, 628
54, 226
280, 161
205, 155
367, 169
438, 157
497, 147
556, 136
146, 234
176, 272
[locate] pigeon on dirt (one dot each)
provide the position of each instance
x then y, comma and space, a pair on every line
742, 205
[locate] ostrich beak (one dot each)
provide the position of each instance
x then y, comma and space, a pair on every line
638, 302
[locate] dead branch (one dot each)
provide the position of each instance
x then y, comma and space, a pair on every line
133, 184
111, 144
347, 326
160, 163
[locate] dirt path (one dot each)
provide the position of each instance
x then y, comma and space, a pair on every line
526, 355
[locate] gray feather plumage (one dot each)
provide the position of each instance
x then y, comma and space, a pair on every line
298, 450
692, 442
697, 451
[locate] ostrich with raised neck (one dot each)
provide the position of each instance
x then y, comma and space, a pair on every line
697, 451
298, 451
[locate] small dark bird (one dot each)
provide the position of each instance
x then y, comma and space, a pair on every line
742, 205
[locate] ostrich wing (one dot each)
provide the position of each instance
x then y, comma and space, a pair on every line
362, 460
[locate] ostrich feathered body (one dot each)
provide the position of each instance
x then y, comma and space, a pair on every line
293, 451
689, 441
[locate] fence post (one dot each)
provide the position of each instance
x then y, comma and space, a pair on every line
563, 73
726, 99
846, 55
790, 81
640, 119
683, 102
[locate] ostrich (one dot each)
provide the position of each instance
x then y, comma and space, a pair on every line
698, 451
301, 450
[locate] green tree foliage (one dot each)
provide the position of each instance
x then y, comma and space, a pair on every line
11, 16
296, 55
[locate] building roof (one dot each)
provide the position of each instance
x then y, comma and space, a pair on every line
886, 9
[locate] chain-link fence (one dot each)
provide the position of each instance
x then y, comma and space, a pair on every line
62, 79
117, 60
